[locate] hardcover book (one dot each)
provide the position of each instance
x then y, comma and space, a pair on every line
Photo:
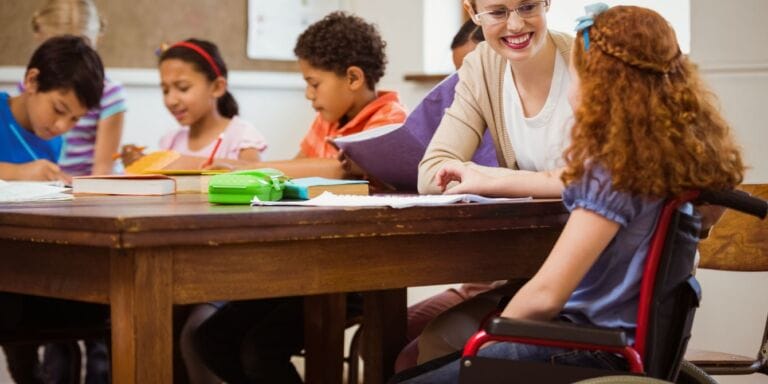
310, 187
124, 185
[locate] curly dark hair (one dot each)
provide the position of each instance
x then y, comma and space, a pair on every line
340, 41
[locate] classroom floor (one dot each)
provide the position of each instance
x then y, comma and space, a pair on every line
753, 379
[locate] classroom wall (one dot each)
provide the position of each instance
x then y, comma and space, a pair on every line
729, 45
273, 101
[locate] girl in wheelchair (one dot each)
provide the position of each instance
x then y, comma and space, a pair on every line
646, 129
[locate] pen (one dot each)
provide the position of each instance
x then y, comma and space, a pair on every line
213, 153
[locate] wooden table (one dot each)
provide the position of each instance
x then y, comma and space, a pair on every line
142, 255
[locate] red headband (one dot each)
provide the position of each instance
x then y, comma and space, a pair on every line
202, 53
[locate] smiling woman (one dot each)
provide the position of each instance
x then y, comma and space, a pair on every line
515, 85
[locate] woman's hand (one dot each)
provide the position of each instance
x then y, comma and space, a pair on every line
469, 180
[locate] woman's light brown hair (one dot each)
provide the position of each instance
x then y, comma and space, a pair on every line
645, 116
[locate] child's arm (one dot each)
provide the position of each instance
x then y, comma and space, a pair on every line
42, 170
514, 183
249, 154
108, 134
585, 236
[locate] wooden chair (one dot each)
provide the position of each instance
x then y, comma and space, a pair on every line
736, 243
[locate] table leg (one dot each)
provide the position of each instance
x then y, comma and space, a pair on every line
141, 297
324, 321
384, 329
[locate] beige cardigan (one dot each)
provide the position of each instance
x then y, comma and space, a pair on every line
477, 105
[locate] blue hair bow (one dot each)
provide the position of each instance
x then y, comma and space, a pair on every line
586, 21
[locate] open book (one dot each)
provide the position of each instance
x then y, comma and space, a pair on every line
389, 154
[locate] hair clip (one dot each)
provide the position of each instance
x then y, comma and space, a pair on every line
584, 22
162, 48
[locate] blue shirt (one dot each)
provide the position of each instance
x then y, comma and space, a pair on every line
608, 295
18, 145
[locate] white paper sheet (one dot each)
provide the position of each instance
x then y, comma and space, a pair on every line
328, 199
26, 191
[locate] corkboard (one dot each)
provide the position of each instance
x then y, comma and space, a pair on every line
135, 28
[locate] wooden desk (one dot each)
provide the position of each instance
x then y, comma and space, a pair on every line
142, 255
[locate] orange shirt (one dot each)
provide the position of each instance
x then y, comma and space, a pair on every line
386, 109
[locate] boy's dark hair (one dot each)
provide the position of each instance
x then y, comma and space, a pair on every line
468, 31
226, 105
341, 40
68, 62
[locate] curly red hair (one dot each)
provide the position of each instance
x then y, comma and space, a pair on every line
646, 116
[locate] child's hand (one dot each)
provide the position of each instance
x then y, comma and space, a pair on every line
351, 169
42, 169
129, 153
217, 166
469, 180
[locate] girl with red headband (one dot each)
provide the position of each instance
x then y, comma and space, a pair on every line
193, 78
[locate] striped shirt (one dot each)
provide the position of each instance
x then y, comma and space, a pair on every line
80, 141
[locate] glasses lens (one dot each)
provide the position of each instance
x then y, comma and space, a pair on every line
493, 17
530, 9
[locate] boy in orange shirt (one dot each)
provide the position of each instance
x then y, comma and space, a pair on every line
341, 58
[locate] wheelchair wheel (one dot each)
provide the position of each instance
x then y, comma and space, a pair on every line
691, 374
622, 379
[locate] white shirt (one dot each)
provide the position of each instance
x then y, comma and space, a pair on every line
539, 141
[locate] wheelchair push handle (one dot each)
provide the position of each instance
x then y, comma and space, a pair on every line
737, 200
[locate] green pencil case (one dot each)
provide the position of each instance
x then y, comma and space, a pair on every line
242, 186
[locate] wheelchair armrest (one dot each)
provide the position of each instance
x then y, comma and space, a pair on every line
555, 334
556, 331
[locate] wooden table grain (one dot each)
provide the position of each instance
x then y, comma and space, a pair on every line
143, 255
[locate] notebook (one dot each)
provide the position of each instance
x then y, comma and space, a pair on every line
124, 185
388, 153
154, 160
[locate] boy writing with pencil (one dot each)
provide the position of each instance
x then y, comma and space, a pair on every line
64, 79
342, 59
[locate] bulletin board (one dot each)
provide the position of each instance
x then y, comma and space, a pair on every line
136, 28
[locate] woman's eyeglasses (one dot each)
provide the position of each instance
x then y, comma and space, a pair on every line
501, 15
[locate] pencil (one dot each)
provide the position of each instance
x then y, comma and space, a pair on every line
117, 155
213, 153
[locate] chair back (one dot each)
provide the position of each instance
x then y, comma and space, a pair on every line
738, 242
669, 293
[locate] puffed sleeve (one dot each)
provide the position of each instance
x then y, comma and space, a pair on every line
594, 192
250, 137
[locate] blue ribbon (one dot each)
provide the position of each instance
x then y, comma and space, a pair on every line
586, 21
